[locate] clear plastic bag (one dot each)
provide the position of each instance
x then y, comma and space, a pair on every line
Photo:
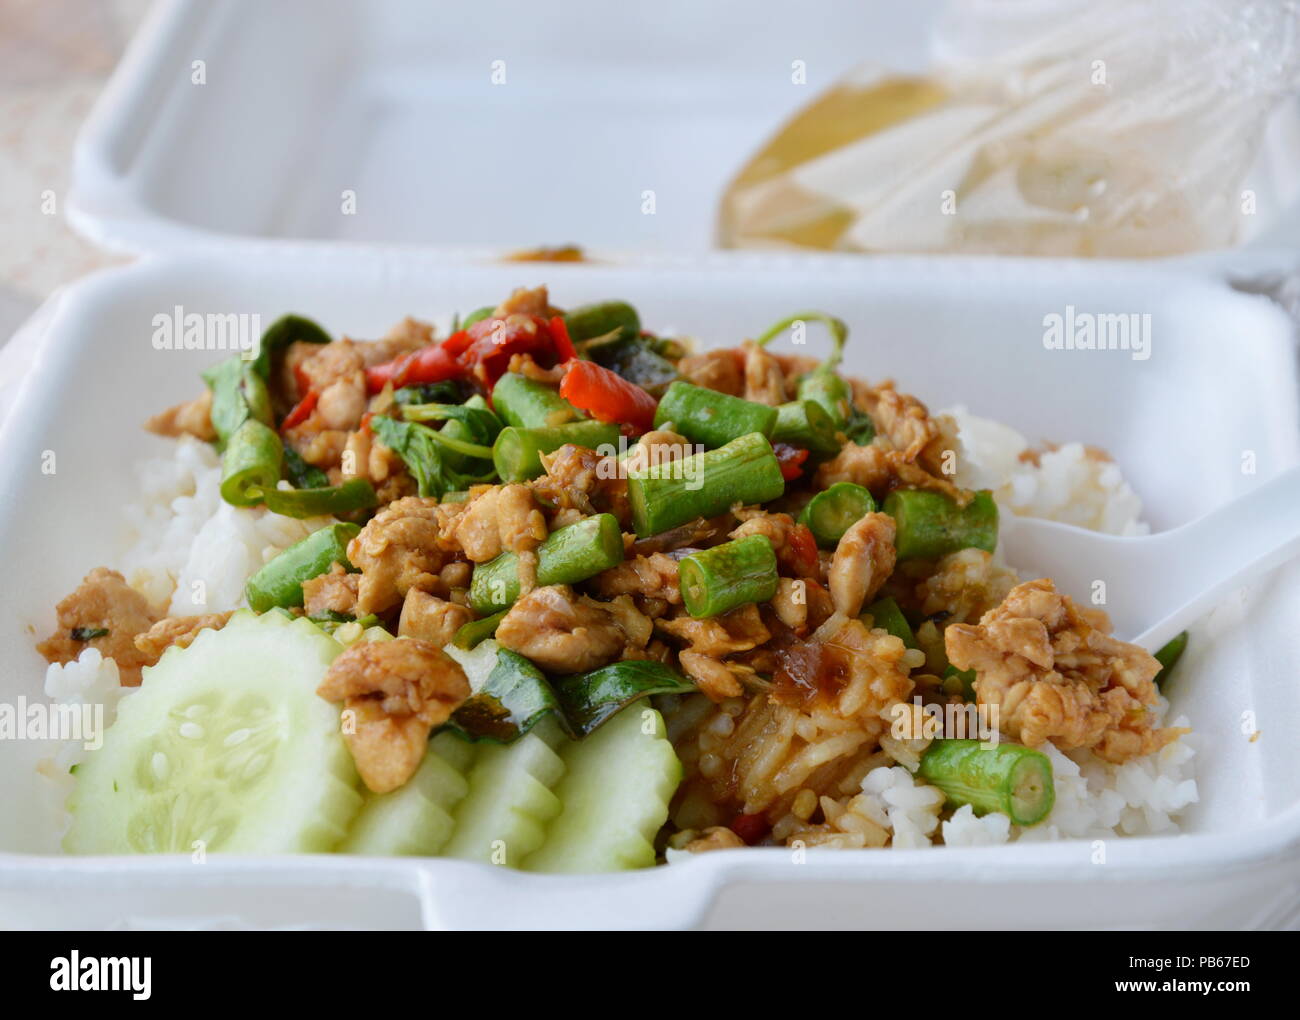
1054, 127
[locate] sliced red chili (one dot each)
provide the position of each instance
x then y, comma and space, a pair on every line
301, 411
791, 459
301, 378
564, 349
803, 551
750, 828
484, 350
607, 395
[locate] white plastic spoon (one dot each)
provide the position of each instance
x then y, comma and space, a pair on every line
1156, 585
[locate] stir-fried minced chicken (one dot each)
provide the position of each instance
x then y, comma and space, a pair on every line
721, 370
911, 449
565, 633
397, 692
1054, 673
430, 618
396, 551
104, 613
584, 481
863, 560
497, 519
192, 418
651, 578
764, 380
178, 631
335, 591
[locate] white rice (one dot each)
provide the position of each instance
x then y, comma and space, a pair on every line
90, 679
193, 551
1066, 484
895, 800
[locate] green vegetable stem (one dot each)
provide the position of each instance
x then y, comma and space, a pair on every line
279, 582
1009, 778
667, 494
716, 580
568, 556
711, 418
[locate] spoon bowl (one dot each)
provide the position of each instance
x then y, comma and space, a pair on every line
1154, 586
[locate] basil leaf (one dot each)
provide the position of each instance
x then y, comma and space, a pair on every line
511, 701
446, 392
860, 428
238, 394
88, 633
589, 699
481, 425
635, 361
277, 337
425, 457
300, 474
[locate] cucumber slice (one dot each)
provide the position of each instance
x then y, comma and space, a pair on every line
413, 821
615, 793
455, 751
477, 662
503, 819
225, 748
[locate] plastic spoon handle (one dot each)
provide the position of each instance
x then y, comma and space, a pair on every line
1211, 555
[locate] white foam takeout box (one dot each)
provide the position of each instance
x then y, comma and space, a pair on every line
231, 191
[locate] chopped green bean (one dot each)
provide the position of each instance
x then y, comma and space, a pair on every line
886, 615
808, 425
602, 319
1009, 778
930, 525
478, 315
527, 403
831, 512
354, 494
279, 582
469, 635
517, 453
568, 556
711, 418
717, 580
1168, 656
250, 467
670, 493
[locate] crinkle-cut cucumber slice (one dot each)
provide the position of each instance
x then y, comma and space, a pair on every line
225, 748
477, 662
455, 751
412, 821
615, 791
504, 817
